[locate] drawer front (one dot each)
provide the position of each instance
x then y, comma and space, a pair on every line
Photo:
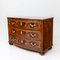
26, 34
34, 25
23, 24
33, 45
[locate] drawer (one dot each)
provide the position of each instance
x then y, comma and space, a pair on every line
26, 34
34, 25
23, 24
33, 45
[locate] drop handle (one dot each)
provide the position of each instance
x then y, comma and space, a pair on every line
33, 44
32, 25
13, 23
33, 35
13, 31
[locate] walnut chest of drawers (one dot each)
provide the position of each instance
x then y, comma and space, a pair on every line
31, 34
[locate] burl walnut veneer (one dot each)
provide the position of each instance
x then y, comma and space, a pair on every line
31, 34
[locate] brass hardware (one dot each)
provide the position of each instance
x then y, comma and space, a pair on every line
13, 31
32, 25
33, 44
13, 23
33, 35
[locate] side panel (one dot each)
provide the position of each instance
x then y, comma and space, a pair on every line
47, 34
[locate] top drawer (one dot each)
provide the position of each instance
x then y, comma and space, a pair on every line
25, 24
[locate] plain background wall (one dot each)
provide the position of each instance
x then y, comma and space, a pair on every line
29, 8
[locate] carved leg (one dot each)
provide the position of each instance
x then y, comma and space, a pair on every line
50, 48
10, 43
42, 53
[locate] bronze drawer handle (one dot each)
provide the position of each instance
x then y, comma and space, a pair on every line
33, 35
32, 25
33, 44
13, 23
13, 31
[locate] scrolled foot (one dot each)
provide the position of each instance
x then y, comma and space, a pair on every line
10, 43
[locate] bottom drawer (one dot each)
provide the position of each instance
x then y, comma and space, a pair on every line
28, 44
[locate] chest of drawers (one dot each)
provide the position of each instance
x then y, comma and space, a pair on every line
31, 34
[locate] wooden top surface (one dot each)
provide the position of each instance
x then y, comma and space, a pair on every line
23, 18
